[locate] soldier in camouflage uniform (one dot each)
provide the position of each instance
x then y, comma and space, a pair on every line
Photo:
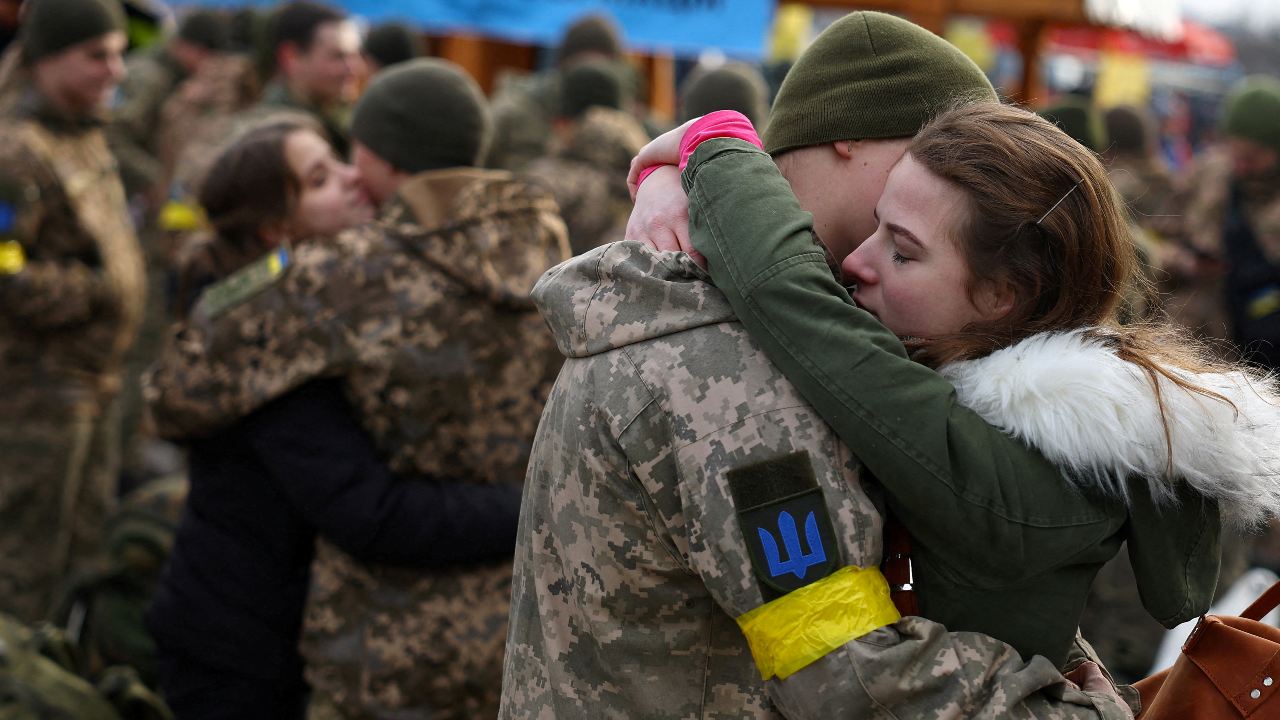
524, 108
316, 50
72, 287
426, 316
588, 172
1229, 270
660, 542
154, 74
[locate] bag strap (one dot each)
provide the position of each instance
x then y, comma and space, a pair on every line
1264, 604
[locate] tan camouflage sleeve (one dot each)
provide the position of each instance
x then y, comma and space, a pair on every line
43, 285
915, 668
269, 332
736, 488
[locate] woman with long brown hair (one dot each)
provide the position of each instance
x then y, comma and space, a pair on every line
979, 370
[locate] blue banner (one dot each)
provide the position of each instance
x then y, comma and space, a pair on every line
738, 27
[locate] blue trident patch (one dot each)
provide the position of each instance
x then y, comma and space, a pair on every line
797, 563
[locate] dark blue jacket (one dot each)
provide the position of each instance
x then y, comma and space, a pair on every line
232, 594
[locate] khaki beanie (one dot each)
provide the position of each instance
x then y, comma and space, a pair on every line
423, 114
591, 84
596, 34
870, 76
393, 43
207, 29
1078, 118
733, 86
1253, 111
51, 26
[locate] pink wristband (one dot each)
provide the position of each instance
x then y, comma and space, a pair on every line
719, 124
647, 172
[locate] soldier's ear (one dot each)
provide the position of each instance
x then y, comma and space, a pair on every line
286, 57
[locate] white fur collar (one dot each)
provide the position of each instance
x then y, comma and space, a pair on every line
1095, 415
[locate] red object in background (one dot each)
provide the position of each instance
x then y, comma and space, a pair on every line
1199, 45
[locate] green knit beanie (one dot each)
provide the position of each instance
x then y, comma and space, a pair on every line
734, 86
392, 43
51, 26
867, 76
1128, 130
423, 115
591, 34
1078, 118
1253, 111
590, 84
207, 29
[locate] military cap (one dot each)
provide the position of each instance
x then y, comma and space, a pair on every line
591, 34
870, 75
207, 29
588, 85
392, 43
51, 26
734, 86
423, 115
1077, 117
1128, 130
1253, 111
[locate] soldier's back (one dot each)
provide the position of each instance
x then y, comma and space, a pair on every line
450, 383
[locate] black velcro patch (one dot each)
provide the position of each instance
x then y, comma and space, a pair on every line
783, 516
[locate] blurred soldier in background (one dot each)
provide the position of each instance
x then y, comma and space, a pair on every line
732, 86
72, 284
315, 52
134, 134
1137, 172
524, 110
1231, 267
389, 44
153, 75
595, 141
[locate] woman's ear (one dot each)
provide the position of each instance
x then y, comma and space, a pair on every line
995, 298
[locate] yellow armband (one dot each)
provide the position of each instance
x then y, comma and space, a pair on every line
12, 257
802, 626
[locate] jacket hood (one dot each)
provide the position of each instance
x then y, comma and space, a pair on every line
624, 293
1071, 397
490, 232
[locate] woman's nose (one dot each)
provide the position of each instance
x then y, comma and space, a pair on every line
856, 270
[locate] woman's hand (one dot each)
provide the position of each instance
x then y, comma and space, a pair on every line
660, 218
663, 150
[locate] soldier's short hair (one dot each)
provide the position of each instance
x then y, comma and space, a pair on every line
297, 23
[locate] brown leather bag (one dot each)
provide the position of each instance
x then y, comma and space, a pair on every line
1229, 668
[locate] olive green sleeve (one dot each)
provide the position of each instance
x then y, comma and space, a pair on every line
964, 488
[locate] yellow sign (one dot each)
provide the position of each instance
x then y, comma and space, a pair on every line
1123, 79
792, 25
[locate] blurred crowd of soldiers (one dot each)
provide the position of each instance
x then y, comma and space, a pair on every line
102, 158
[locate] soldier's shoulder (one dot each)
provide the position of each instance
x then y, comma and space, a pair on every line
499, 192
244, 284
